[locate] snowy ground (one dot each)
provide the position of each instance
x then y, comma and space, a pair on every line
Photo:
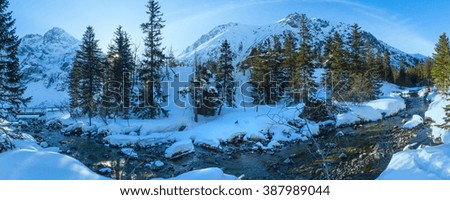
388, 104
205, 174
436, 113
266, 129
427, 162
31, 161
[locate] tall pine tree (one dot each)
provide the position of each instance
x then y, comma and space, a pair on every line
441, 69
356, 50
302, 81
440, 73
87, 76
153, 62
259, 76
12, 86
336, 68
224, 78
120, 68
288, 55
387, 73
276, 76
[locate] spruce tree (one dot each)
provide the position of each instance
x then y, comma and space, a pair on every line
224, 78
426, 73
195, 90
204, 96
441, 69
12, 86
402, 79
356, 50
256, 62
288, 62
387, 68
371, 69
87, 76
379, 65
336, 67
120, 68
369, 57
276, 76
153, 62
302, 82
171, 61
74, 89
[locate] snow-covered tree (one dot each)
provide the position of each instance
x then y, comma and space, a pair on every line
12, 86
153, 62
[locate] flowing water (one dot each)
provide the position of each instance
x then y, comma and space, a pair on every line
362, 153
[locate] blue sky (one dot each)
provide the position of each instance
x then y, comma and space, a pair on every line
410, 25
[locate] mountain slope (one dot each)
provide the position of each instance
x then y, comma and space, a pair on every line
45, 61
244, 37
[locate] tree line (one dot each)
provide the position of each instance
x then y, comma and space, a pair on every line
353, 69
121, 84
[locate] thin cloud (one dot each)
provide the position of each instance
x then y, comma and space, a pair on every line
398, 31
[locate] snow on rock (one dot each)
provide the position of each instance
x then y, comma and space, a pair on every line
179, 149
89, 129
76, 128
255, 136
371, 111
43, 144
415, 121
129, 152
429, 163
311, 129
207, 142
25, 164
273, 144
157, 163
389, 90
205, 174
388, 106
422, 92
122, 140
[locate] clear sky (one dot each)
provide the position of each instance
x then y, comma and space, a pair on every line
413, 26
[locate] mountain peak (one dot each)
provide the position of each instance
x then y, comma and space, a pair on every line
245, 37
56, 35
292, 20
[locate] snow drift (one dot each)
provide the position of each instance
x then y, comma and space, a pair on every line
28, 164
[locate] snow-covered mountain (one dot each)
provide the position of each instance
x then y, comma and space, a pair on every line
243, 38
46, 61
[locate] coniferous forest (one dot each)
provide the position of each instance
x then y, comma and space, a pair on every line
303, 98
